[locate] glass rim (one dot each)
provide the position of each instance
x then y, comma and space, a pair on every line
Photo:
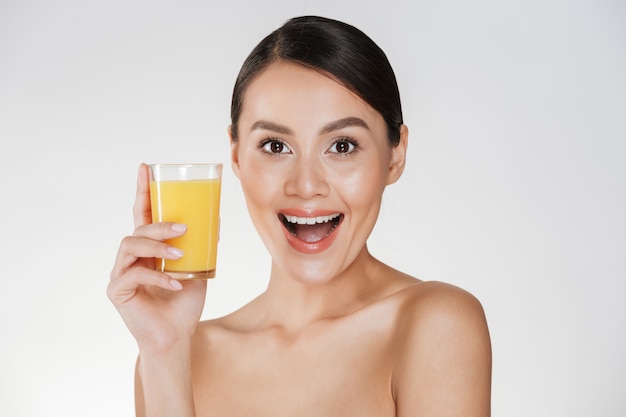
183, 172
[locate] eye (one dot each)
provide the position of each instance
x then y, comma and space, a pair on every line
343, 146
274, 146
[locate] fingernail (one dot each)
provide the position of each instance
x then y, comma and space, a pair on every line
176, 285
175, 251
179, 227
139, 171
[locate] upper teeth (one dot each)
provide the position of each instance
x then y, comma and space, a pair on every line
311, 220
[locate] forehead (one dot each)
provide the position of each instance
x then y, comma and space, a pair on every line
290, 91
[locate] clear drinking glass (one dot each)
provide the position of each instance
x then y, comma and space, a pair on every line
188, 194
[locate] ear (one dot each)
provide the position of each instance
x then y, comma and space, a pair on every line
398, 156
234, 152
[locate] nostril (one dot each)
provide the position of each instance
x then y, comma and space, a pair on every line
307, 182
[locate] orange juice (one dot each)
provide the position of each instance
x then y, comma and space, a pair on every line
194, 203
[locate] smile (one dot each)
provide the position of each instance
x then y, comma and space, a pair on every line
311, 229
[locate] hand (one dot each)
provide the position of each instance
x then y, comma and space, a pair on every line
158, 310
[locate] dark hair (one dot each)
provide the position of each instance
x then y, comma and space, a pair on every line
332, 47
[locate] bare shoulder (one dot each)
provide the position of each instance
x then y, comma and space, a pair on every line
428, 301
212, 344
211, 332
444, 352
432, 312
218, 333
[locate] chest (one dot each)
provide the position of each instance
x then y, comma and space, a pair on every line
341, 370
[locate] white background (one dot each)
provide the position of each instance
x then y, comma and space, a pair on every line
515, 187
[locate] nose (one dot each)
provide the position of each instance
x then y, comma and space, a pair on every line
307, 179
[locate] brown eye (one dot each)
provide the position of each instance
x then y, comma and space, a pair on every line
342, 147
274, 146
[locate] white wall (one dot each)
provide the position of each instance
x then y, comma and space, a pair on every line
515, 187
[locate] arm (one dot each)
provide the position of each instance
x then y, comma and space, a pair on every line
167, 388
444, 367
161, 313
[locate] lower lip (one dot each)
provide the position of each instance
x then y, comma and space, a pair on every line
311, 247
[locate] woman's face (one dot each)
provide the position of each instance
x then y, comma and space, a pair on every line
313, 160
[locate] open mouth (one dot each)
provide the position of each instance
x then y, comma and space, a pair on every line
311, 229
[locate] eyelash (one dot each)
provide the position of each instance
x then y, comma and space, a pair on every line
350, 141
267, 141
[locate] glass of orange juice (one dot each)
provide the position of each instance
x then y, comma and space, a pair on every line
188, 194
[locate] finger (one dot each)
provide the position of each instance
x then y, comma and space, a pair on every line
147, 242
141, 210
134, 248
121, 291
161, 231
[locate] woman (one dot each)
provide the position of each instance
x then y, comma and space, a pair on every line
316, 134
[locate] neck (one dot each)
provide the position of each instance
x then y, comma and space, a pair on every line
293, 305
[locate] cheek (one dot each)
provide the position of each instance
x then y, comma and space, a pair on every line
257, 183
252, 186
363, 186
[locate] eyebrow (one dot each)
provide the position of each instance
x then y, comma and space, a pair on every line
274, 127
330, 127
342, 123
